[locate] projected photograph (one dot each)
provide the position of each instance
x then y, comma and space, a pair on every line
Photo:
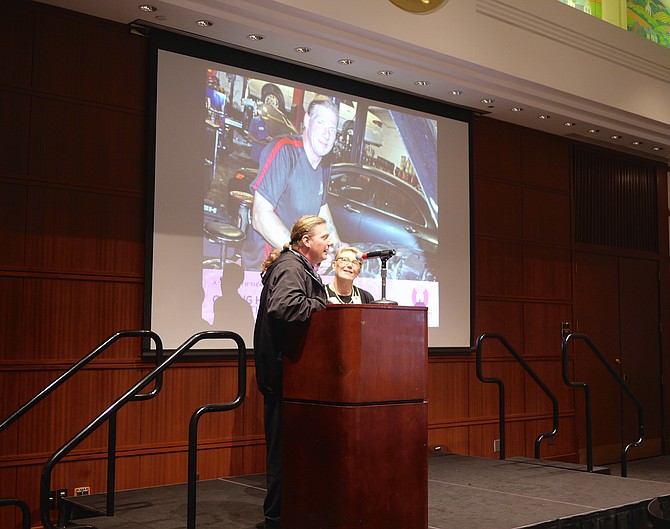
377, 177
241, 154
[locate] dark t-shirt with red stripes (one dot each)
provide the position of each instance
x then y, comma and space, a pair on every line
288, 181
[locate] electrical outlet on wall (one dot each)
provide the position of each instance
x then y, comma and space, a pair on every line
496, 445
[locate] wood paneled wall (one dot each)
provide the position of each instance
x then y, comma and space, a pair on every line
523, 291
73, 101
73, 107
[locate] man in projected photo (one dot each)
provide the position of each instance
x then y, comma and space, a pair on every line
292, 292
292, 181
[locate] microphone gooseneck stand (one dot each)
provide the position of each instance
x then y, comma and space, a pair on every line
383, 300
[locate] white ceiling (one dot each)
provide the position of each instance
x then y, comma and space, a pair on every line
378, 35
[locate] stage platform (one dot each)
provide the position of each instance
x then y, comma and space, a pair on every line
463, 493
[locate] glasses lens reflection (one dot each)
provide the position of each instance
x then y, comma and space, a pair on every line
346, 260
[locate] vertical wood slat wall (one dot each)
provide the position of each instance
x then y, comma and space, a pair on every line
73, 102
615, 202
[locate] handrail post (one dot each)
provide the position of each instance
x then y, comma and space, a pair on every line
587, 401
192, 470
587, 395
501, 391
195, 418
501, 397
589, 429
111, 463
25, 511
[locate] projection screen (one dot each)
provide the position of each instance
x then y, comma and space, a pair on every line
399, 178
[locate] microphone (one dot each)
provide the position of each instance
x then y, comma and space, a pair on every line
382, 254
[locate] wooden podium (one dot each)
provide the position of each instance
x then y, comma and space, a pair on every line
356, 422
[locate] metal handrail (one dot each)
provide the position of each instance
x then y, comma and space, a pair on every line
110, 412
26, 523
501, 391
587, 399
195, 418
78, 366
51, 387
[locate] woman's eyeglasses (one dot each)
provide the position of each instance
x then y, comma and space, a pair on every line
348, 260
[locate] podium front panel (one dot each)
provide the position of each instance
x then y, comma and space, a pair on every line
348, 467
361, 354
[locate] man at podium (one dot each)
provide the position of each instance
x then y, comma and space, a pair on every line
292, 292
342, 290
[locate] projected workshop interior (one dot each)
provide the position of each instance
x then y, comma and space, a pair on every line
392, 178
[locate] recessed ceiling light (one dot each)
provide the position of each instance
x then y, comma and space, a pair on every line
421, 83
569, 124
516, 109
637, 142
455, 92
593, 131
385, 72
302, 49
615, 137
255, 36
346, 62
488, 101
147, 8
204, 23
543, 116
657, 148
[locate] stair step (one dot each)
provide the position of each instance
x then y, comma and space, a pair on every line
80, 507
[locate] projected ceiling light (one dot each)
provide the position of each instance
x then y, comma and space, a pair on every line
543, 116
657, 148
593, 131
455, 92
302, 49
385, 73
204, 23
421, 83
488, 101
615, 137
147, 8
346, 62
516, 109
637, 142
418, 6
569, 124
255, 36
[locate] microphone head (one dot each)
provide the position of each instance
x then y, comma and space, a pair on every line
385, 254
